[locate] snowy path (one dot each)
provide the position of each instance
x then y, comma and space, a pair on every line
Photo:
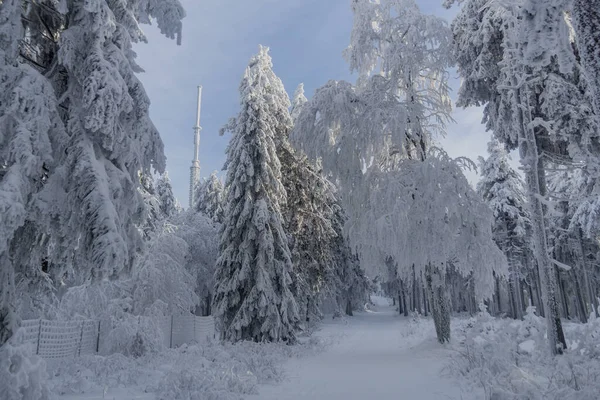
372, 359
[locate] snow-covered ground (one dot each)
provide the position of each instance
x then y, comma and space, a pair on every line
375, 354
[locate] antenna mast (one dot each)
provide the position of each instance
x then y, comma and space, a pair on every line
195, 168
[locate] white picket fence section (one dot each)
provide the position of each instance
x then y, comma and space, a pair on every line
63, 339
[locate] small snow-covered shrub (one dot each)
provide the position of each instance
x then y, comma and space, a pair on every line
133, 336
22, 374
510, 359
206, 373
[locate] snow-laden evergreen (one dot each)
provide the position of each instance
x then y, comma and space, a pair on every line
298, 102
166, 200
209, 198
253, 300
71, 88
502, 189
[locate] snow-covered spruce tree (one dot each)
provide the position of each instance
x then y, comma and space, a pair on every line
253, 300
153, 215
72, 71
30, 128
111, 137
308, 217
298, 102
353, 286
209, 198
166, 200
502, 189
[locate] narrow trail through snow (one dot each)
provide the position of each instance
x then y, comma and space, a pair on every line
375, 357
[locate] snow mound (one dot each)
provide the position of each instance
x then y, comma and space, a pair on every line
22, 374
511, 359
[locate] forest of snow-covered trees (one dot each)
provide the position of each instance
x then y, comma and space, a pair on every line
324, 200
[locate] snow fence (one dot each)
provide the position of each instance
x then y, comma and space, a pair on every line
64, 339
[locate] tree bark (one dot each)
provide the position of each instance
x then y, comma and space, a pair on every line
583, 313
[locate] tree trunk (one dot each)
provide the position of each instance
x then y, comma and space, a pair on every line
414, 290
438, 300
404, 307
349, 308
400, 311
9, 321
562, 294
424, 301
583, 313
588, 285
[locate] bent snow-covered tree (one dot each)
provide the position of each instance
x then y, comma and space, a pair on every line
427, 216
253, 300
391, 115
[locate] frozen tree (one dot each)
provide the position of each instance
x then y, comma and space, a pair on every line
210, 197
586, 21
392, 113
364, 134
201, 234
161, 283
427, 216
298, 102
406, 55
573, 243
502, 189
164, 192
517, 60
253, 300
320, 253
153, 214
30, 128
72, 185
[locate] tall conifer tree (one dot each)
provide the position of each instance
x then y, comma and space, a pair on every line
253, 300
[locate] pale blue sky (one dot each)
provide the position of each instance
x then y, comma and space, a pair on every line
306, 38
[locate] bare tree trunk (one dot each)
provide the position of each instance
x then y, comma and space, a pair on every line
414, 290
424, 297
583, 312
561, 289
404, 301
